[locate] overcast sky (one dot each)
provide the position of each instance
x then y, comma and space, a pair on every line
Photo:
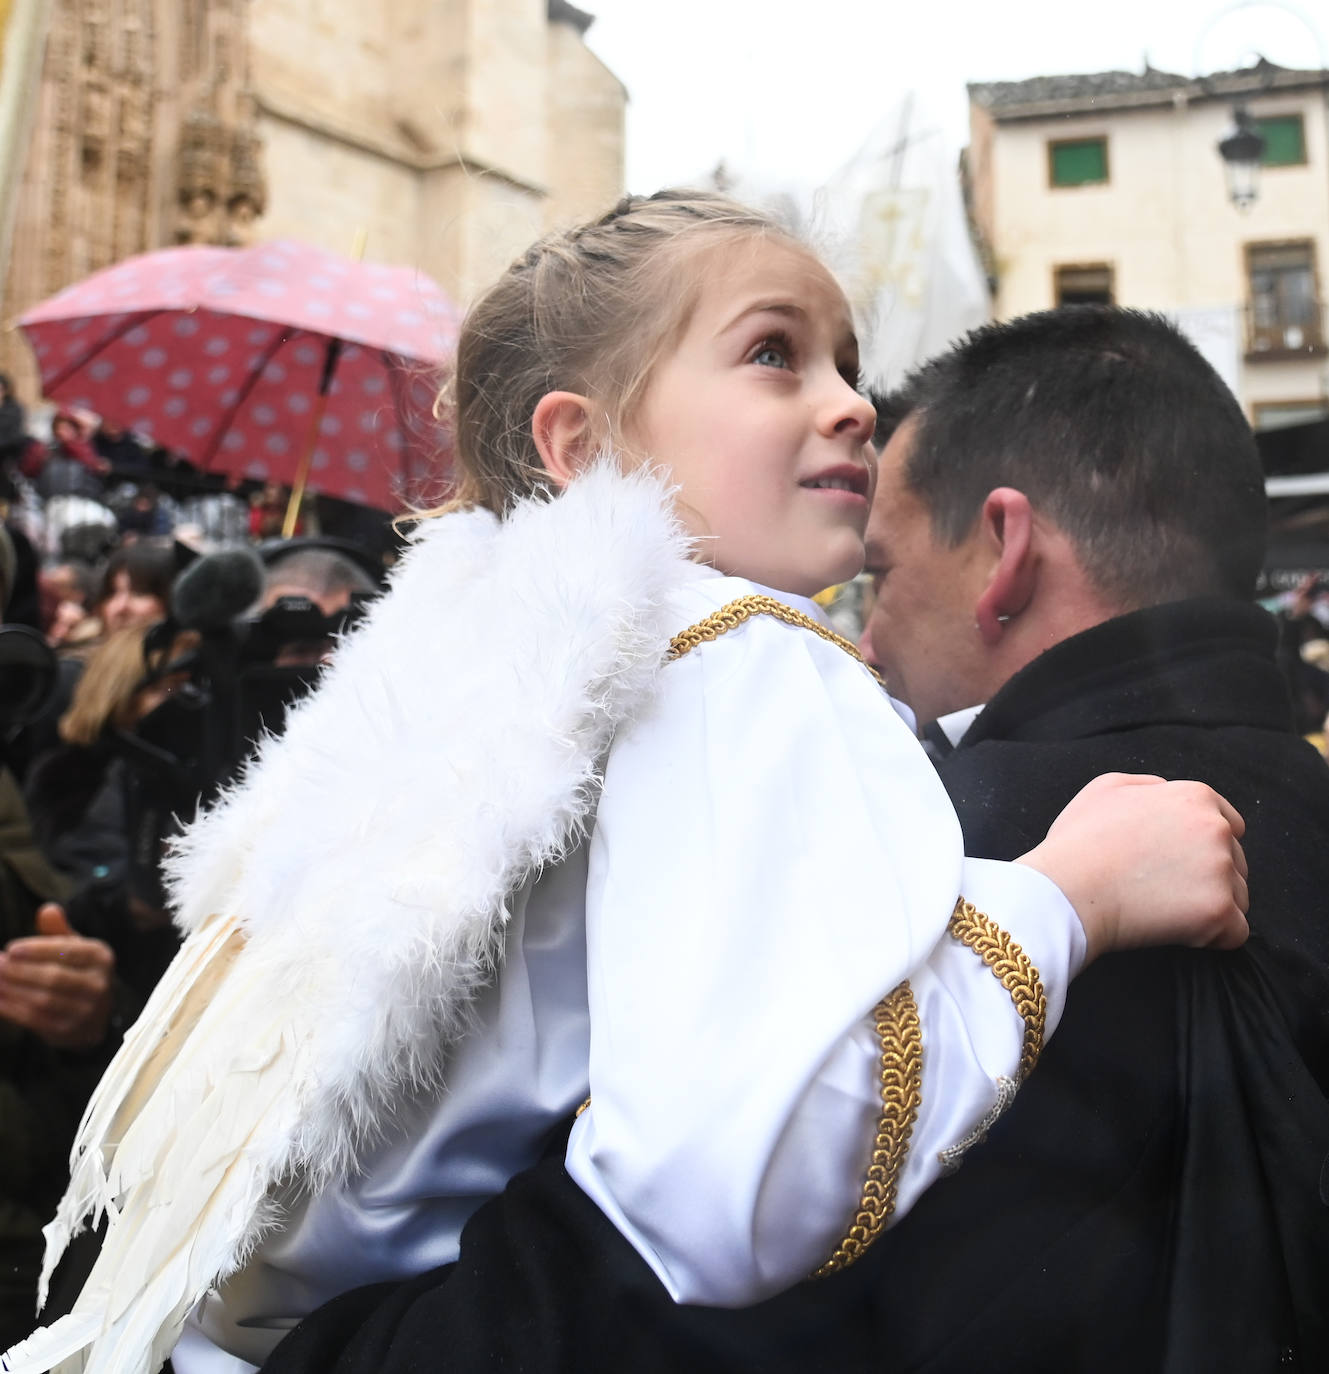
787, 90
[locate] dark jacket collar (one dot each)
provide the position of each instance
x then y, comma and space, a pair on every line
1202, 662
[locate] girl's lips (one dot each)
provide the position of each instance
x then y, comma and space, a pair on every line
846, 477
853, 498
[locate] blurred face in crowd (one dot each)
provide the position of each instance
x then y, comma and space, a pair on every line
920, 632
57, 586
125, 607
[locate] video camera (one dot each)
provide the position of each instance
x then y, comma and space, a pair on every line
228, 677
28, 677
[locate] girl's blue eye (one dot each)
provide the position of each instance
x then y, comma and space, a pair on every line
771, 355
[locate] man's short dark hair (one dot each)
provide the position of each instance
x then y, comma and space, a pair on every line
319, 573
1115, 427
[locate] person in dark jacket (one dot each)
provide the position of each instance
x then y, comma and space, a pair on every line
1066, 534
14, 438
68, 465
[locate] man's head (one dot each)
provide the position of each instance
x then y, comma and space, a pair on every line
1045, 475
329, 579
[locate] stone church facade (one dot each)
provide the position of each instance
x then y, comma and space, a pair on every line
449, 132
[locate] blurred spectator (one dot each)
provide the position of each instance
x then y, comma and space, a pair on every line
64, 591
327, 577
14, 437
145, 514
267, 511
319, 580
119, 448
56, 1033
1304, 616
136, 586
68, 465
76, 791
19, 559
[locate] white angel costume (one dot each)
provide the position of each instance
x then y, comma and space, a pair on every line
570, 817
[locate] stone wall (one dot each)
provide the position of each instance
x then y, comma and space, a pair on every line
450, 131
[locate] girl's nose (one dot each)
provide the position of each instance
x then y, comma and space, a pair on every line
851, 413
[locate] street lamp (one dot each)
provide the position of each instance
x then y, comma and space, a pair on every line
1242, 148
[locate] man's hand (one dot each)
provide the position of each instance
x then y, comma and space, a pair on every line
57, 983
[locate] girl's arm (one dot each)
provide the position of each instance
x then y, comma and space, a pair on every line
773, 856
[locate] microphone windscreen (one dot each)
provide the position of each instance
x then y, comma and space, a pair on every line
216, 589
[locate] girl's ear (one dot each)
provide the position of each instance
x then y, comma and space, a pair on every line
564, 434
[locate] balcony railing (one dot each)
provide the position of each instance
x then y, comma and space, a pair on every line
1282, 333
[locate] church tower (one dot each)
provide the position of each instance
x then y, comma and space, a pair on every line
451, 132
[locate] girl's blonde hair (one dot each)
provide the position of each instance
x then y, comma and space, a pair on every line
590, 310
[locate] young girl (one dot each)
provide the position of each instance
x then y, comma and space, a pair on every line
594, 810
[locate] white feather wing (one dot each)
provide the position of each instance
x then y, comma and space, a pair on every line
345, 900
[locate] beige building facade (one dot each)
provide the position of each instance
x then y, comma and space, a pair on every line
1110, 187
448, 132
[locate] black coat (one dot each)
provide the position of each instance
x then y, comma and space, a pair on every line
1156, 1199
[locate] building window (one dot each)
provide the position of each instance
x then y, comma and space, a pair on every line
1284, 313
1077, 161
1089, 285
1284, 140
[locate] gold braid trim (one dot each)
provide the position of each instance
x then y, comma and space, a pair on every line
1013, 968
901, 1035
735, 613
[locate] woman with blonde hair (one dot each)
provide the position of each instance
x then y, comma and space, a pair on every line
75, 791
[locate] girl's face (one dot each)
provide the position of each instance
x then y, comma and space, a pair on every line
757, 417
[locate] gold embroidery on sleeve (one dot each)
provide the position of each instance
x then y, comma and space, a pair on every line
901, 1036
1015, 970
735, 613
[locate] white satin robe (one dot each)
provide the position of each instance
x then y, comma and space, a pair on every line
772, 853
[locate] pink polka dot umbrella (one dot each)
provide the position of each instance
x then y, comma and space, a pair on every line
279, 362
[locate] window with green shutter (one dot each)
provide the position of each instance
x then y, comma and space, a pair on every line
1078, 162
1284, 140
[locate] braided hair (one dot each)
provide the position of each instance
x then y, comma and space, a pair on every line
589, 310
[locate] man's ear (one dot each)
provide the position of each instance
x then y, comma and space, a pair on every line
561, 425
1006, 524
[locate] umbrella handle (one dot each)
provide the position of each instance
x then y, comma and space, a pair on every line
307, 457
302, 472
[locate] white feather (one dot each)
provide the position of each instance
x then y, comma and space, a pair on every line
346, 898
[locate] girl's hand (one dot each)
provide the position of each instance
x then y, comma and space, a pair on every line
1148, 862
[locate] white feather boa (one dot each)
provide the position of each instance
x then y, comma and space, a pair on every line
346, 898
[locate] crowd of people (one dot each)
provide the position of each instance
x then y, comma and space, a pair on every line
597, 953
113, 747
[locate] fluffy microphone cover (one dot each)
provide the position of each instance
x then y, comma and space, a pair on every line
216, 589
